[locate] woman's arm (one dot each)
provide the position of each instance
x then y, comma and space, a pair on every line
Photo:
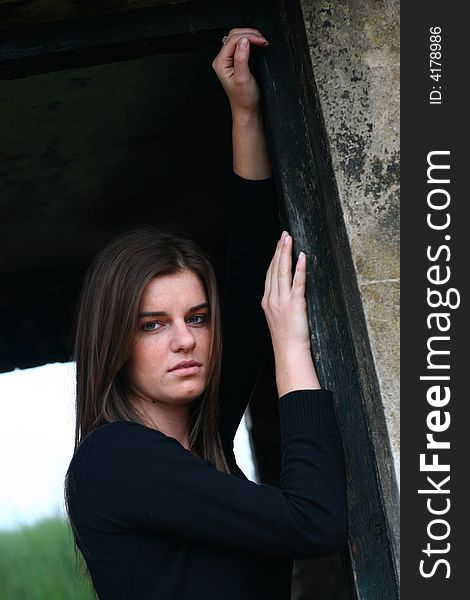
284, 301
253, 231
250, 157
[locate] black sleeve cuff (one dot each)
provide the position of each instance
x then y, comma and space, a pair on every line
301, 410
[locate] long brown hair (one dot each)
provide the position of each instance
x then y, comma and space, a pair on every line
107, 321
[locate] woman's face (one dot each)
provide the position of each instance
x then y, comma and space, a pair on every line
174, 327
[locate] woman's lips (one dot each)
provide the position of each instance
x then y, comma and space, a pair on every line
186, 367
184, 371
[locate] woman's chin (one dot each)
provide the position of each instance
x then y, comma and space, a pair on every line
189, 394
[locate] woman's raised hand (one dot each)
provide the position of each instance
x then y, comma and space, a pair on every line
285, 308
233, 71
284, 301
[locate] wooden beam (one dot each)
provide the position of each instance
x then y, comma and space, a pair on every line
15, 14
340, 343
108, 38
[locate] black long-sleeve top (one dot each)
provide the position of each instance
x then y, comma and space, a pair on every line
154, 521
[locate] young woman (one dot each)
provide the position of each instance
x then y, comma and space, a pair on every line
158, 505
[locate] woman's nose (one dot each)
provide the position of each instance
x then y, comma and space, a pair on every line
183, 337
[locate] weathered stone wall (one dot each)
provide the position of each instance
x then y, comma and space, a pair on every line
354, 47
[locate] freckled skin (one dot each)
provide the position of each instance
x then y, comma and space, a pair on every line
177, 337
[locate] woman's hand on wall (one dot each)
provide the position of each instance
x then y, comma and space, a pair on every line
285, 308
250, 156
232, 69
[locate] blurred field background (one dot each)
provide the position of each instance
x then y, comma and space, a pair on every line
38, 562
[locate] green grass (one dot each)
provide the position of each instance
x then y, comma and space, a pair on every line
38, 563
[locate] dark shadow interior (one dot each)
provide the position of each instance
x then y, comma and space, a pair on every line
89, 153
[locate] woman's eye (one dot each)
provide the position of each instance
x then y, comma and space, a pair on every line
198, 319
153, 326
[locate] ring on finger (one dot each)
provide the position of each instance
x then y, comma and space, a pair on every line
224, 40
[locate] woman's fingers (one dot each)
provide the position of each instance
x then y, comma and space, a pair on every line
254, 35
300, 276
237, 30
275, 268
267, 284
278, 283
225, 58
241, 69
284, 302
269, 273
285, 266
232, 68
